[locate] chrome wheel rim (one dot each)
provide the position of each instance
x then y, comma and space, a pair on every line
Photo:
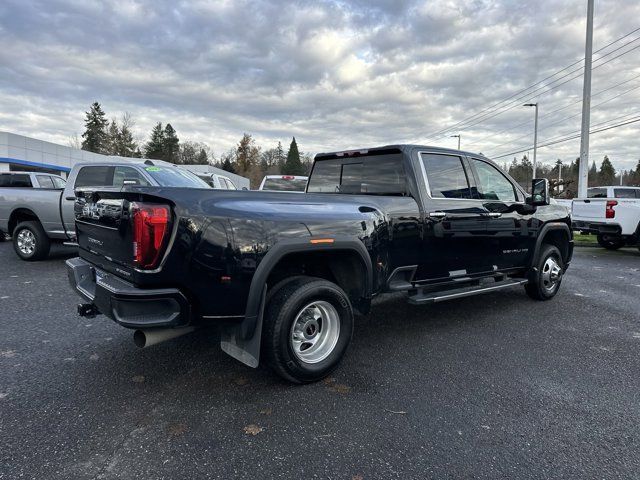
551, 274
26, 242
315, 332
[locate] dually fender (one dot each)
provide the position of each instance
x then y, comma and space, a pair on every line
242, 340
546, 228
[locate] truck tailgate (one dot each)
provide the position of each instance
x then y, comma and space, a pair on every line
122, 232
589, 209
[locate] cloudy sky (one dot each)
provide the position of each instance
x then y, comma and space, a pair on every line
336, 74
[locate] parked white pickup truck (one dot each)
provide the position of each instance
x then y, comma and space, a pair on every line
612, 213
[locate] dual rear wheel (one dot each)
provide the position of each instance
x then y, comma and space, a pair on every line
308, 324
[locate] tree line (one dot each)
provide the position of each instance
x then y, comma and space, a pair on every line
564, 178
116, 137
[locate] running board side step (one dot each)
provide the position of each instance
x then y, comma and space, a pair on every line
421, 298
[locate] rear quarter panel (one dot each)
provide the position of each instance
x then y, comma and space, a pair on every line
44, 203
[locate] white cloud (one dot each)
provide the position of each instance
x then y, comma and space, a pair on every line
335, 74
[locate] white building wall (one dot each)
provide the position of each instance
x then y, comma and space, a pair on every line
20, 150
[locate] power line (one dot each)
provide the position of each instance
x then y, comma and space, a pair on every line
572, 137
516, 102
570, 116
555, 111
466, 120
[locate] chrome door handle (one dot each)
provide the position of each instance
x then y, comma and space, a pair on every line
494, 214
437, 214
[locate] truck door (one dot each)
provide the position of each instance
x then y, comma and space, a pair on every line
511, 236
454, 231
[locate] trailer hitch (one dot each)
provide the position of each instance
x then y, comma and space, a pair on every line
88, 310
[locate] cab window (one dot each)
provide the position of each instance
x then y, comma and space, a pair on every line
44, 181
446, 176
492, 184
121, 174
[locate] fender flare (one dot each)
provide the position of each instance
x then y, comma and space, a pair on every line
242, 341
546, 228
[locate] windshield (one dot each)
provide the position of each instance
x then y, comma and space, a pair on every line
285, 185
175, 177
361, 175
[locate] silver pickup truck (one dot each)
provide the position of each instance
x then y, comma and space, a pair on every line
35, 215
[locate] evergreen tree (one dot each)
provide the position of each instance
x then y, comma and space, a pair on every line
227, 161
155, 146
293, 165
113, 138
126, 146
202, 158
635, 175
95, 134
170, 144
593, 175
607, 174
280, 157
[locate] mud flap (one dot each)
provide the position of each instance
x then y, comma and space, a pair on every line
242, 341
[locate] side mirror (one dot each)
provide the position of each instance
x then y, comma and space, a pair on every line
539, 192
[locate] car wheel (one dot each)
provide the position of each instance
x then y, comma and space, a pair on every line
545, 279
30, 241
308, 325
610, 242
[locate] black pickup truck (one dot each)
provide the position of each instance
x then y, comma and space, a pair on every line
282, 273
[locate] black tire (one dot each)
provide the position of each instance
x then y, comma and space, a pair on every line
280, 316
610, 242
35, 233
538, 287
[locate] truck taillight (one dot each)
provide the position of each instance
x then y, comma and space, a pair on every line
610, 212
150, 230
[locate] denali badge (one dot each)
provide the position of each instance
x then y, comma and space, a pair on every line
95, 241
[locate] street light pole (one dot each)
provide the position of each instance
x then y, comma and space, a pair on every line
453, 136
583, 170
535, 138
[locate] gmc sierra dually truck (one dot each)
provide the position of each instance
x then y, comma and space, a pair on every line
282, 273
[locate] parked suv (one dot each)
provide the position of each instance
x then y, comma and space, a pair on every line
282, 273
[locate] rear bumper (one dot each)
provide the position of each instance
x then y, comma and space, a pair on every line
596, 227
128, 305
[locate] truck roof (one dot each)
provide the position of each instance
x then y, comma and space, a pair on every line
400, 148
110, 161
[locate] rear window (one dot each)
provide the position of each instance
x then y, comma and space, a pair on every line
284, 184
626, 193
15, 180
367, 175
597, 193
98, 176
176, 177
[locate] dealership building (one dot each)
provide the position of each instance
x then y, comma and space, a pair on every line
20, 153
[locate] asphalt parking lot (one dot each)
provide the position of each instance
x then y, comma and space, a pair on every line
496, 386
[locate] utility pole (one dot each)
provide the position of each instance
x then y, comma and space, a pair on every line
583, 171
454, 136
559, 164
535, 138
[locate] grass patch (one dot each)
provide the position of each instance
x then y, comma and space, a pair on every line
585, 239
